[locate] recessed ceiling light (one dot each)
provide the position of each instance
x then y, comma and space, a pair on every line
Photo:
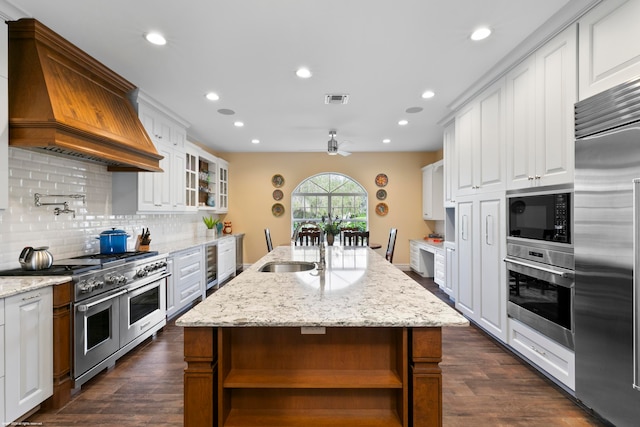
480, 34
303, 73
155, 38
403, 122
428, 94
386, 141
255, 141
212, 96
238, 124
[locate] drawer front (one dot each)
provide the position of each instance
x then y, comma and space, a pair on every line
188, 266
544, 353
190, 292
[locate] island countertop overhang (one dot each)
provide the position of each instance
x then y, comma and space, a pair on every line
358, 288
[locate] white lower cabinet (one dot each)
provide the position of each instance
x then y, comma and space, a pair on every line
28, 345
415, 259
187, 281
226, 258
481, 244
551, 357
451, 270
439, 270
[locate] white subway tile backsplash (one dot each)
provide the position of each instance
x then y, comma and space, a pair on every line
24, 224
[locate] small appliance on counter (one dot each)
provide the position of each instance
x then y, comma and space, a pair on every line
35, 258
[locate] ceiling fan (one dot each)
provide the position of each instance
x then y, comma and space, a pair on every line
333, 147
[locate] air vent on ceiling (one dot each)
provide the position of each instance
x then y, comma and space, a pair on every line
336, 99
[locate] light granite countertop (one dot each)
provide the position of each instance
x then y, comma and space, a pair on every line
359, 288
18, 284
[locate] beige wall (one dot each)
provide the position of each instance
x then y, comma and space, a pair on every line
251, 194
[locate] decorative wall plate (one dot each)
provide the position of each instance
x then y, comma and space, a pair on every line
381, 180
277, 209
277, 180
382, 209
277, 195
381, 194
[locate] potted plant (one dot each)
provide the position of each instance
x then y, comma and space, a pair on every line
211, 224
331, 228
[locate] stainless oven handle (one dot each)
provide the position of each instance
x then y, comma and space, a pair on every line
140, 284
85, 307
562, 274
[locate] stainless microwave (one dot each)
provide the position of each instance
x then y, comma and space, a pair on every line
541, 214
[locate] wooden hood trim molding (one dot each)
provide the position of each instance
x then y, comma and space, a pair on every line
64, 101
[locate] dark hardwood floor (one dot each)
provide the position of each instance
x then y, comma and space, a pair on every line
483, 385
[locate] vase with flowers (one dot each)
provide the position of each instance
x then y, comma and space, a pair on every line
331, 227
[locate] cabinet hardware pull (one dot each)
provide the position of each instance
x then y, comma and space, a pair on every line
31, 297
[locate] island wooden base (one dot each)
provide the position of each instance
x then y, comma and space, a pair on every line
281, 377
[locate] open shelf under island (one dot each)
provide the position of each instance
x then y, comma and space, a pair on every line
355, 344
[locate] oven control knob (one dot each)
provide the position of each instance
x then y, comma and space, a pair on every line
148, 267
94, 284
111, 280
83, 287
142, 272
122, 280
163, 264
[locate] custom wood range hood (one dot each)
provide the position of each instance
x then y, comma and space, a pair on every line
64, 101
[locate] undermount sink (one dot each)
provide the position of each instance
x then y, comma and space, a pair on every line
287, 266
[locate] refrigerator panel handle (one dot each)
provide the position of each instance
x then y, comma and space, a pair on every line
636, 282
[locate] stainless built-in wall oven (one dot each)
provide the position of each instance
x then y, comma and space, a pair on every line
540, 261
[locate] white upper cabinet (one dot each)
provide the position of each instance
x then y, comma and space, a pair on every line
540, 93
432, 187
609, 50
4, 117
448, 145
479, 142
156, 192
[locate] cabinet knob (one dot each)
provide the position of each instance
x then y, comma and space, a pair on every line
530, 178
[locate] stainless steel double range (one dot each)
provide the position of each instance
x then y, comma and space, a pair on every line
116, 305
119, 300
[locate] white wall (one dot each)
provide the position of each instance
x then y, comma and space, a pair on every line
24, 224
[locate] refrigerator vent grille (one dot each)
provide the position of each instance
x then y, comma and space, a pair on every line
607, 110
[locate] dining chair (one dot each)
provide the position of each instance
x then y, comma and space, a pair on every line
391, 245
345, 233
308, 238
267, 235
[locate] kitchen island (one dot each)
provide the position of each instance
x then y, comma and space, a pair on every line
356, 344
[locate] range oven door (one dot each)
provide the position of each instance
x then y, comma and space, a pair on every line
142, 307
96, 331
541, 296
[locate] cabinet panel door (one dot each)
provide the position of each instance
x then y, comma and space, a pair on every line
450, 186
466, 298
491, 291
29, 351
609, 53
521, 119
427, 197
489, 149
556, 93
464, 151
451, 265
178, 182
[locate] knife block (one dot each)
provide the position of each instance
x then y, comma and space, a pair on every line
140, 246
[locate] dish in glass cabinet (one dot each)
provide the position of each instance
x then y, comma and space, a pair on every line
382, 209
277, 209
381, 194
277, 180
277, 195
381, 180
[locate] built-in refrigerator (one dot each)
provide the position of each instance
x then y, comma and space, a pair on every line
606, 221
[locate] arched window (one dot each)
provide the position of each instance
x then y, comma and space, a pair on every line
330, 193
